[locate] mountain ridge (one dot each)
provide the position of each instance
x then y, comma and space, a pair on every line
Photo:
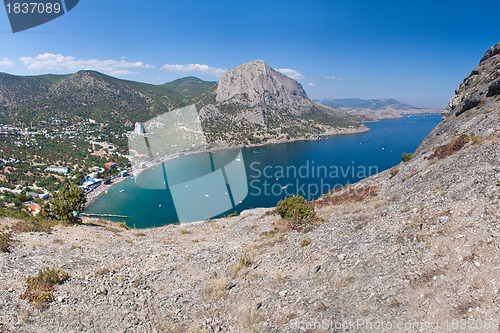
379, 108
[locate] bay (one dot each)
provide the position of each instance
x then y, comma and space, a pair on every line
193, 187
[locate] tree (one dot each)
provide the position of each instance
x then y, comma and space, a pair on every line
67, 204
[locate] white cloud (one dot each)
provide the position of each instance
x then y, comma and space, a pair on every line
311, 84
291, 73
5, 62
49, 61
195, 68
333, 78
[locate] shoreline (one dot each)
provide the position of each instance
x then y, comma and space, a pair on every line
95, 193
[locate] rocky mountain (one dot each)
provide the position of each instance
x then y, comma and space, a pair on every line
255, 103
256, 84
378, 108
413, 248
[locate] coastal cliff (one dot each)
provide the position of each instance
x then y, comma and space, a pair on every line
414, 247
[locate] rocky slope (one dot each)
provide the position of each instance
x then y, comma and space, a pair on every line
380, 108
254, 103
414, 248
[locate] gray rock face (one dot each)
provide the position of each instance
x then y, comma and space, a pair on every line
255, 83
254, 103
474, 108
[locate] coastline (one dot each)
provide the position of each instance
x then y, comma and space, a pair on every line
95, 193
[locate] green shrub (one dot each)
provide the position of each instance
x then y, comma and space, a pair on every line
296, 210
406, 157
244, 261
39, 288
393, 172
5, 241
67, 204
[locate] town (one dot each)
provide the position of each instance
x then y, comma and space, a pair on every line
37, 159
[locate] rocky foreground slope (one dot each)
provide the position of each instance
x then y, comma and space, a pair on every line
414, 248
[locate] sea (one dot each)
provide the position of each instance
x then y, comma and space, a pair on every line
212, 185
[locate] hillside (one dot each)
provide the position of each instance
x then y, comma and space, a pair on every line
415, 247
380, 108
251, 104
89, 94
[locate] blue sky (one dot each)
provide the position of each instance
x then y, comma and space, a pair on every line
417, 52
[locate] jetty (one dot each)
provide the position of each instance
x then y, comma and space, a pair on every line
107, 215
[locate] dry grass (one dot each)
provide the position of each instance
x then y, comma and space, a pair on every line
36, 226
348, 196
463, 307
103, 271
456, 144
305, 242
5, 241
39, 288
218, 288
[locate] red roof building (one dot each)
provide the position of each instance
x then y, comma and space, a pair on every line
35, 208
110, 165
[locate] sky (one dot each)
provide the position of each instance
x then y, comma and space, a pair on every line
417, 52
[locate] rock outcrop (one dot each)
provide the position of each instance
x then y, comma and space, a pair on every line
254, 103
256, 84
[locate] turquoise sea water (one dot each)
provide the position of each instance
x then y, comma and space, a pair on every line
194, 187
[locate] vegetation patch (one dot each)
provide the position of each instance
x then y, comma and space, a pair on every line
5, 241
305, 242
456, 144
35, 226
68, 204
406, 157
393, 173
297, 211
39, 288
350, 195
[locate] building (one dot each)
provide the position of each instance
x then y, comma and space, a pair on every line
35, 208
124, 173
91, 184
139, 129
33, 194
155, 124
129, 124
110, 165
62, 170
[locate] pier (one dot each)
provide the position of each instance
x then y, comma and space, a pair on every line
107, 215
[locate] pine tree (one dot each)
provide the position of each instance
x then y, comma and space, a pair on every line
67, 204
